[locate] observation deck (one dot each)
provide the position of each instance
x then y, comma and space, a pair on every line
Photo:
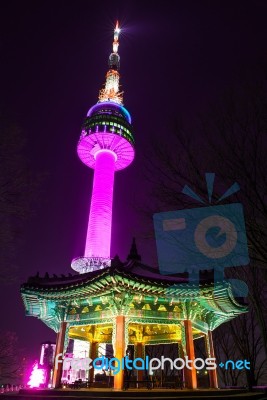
107, 126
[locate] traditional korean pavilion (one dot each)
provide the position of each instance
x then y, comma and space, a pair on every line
130, 303
123, 303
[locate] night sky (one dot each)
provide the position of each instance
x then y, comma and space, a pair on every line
177, 57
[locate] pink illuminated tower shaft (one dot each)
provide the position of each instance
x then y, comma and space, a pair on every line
100, 218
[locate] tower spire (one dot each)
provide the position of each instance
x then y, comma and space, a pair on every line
115, 46
111, 90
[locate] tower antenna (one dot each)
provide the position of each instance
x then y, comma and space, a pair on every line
111, 91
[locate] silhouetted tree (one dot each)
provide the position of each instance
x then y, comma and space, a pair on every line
230, 141
11, 359
17, 189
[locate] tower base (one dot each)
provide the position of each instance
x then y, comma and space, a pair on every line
89, 264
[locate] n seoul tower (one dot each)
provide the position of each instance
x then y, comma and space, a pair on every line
107, 145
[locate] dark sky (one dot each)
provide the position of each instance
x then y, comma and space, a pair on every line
177, 57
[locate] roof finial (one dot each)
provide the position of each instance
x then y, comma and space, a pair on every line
133, 255
111, 90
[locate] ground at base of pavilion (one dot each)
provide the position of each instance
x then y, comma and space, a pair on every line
132, 394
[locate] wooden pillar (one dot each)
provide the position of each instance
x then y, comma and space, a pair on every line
138, 353
190, 374
93, 355
58, 366
119, 350
210, 354
182, 376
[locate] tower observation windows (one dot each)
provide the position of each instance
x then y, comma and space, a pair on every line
116, 124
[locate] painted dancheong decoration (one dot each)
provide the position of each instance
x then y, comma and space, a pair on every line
196, 239
106, 145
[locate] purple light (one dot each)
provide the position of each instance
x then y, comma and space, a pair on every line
89, 144
100, 218
37, 377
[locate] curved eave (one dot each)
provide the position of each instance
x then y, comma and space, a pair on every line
91, 277
94, 283
103, 282
36, 307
